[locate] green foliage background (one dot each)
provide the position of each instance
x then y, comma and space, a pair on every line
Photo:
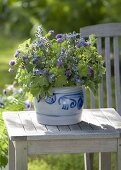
19, 17
18, 20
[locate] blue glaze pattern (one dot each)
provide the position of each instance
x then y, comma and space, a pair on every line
51, 99
67, 101
71, 101
80, 103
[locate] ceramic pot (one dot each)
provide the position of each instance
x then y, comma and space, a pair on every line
64, 107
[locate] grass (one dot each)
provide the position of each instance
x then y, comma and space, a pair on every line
8, 45
65, 162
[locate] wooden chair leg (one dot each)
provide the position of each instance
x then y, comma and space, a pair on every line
104, 161
11, 156
88, 161
119, 155
21, 162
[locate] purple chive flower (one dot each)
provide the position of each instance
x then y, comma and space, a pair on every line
81, 40
27, 104
59, 36
74, 35
11, 70
84, 43
39, 29
68, 73
74, 68
26, 61
17, 91
51, 32
1, 102
78, 80
87, 43
59, 63
5, 91
52, 76
10, 87
25, 57
35, 61
39, 44
78, 45
36, 55
17, 53
37, 72
12, 63
60, 40
63, 50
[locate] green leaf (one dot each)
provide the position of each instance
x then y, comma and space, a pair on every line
82, 69
60, 81
24, 45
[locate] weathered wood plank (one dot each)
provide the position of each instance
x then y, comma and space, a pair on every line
100, 87
94, 123
11, 156
104, 122
72, 146
85, 126
113, 117
27, 123
21, 162
117, 75
52, 129
88, 161
104, 161
63, 128
74, 127
14, 126
102, 30
119, 155
39, 127
108, 72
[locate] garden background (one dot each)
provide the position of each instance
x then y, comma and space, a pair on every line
18, 21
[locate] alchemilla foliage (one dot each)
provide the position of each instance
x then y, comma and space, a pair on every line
60, 60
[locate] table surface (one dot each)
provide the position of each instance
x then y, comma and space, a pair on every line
97, 123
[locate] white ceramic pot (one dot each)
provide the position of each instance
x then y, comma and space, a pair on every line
63, 108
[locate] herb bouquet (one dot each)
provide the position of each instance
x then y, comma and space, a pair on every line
54, 68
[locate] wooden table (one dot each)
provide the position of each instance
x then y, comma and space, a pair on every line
98, 132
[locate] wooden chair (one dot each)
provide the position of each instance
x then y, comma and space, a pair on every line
108, 38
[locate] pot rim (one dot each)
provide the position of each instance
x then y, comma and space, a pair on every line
67, 89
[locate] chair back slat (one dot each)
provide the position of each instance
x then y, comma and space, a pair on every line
108, 72
92, 100
117, 74
85, 98
100, 88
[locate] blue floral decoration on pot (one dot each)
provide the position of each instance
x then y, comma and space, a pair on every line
50, 99
67, 101
71, 101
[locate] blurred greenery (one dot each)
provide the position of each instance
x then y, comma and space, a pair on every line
18, 20
64, 162
8, 45
19, 17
